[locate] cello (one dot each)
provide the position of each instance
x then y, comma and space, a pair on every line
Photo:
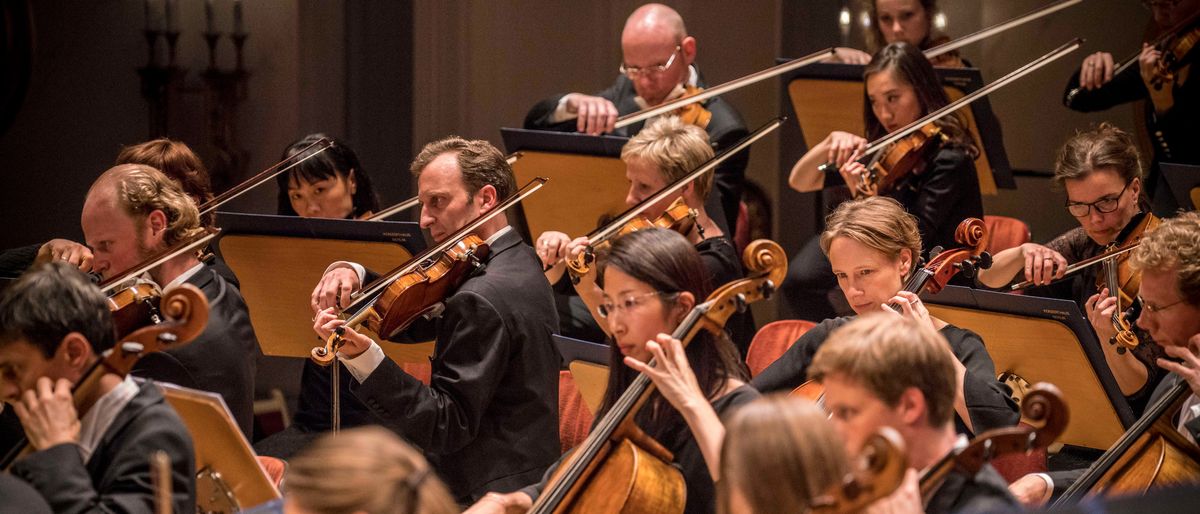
880, 470
618, 466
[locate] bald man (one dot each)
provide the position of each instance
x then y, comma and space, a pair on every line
658, 63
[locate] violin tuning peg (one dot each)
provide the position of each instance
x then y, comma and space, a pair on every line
985, 260
968, 269
767, 289
741, 302
168, 338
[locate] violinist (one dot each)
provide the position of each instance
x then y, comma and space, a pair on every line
134, 211
651, 279
881, 371
1102, 174
942, 190
488, 420
658, 65
331, 184
1169, 260
665, 150
872, 245
1159, 74
910, 21
53, 326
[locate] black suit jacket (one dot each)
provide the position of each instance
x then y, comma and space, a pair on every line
986, 491
222, 359
724, 130
117, 476
488, 421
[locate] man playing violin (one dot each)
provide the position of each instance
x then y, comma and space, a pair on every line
1101, 173
54, 325
134, 211
882, 371
488, 420
1169, 261
658, 65
1172, 114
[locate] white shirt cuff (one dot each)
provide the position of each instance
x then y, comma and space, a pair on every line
358, 268
1045, 478
560, 113
362, 366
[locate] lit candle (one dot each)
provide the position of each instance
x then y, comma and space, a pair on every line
208, 16
237, 16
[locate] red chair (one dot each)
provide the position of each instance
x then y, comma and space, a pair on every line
772, 340
574, 418
273, 467
1005, 232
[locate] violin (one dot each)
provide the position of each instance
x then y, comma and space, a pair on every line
618, 467
1175, 43
1123, 283
678, 217
694, 113
881, 467
185, 313
933, 277
907, 156
134, 307
416, 288
1043, 405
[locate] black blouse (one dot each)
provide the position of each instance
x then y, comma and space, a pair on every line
941, 196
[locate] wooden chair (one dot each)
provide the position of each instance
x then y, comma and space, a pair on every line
772, 340
574, 417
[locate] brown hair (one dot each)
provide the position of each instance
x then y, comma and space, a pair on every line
887, 355
365, 469
1101, 147
1174, 244
780, 453
141, 189
480, 162
176, 161
875, 38
877, 222
674, 148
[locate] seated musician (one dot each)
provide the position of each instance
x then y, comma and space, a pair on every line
132, 212
658, 155
943, 189
488, 420
1102, 175
658, 65
1172, 110
880, 371
54, 324
872, 245
1169, 261
375, 472
910, 21
651, 279
331, 184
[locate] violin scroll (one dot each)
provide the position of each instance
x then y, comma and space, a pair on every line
881, 468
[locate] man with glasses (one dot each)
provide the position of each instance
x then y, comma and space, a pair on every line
658, 64
1169, 261
1101, 173
1173, 112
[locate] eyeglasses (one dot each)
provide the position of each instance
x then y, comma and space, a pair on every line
1103, 206
629, 302
634, 72
1157, 308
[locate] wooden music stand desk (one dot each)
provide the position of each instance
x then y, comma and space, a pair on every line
1044, 340
1184, 182
588, 363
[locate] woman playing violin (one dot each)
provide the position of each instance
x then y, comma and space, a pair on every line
901, 87
651, 279
872, 245
1101, 172
910, 21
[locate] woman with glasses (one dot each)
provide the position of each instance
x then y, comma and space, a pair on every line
651, 279
1172, 114
1101, 171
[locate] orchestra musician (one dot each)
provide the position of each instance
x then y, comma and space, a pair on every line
901, 87
872, 244
651, 279
1169, 261
54, 324
488, 420
910, 21
659, 63
133, 211
1101, 172
1172, 107
664, 151
882, 371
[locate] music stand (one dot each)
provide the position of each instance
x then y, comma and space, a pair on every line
588, 363
228, 476
587, 180
1038, 339
1184, 182
280, 259
825, 97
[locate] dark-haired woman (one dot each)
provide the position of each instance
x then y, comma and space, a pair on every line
896, 21
651, 279
942, 190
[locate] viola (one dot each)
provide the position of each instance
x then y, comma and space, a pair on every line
905, 157
880, 471
694, 113
677, 217
135, 307
185, 313
618, 467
